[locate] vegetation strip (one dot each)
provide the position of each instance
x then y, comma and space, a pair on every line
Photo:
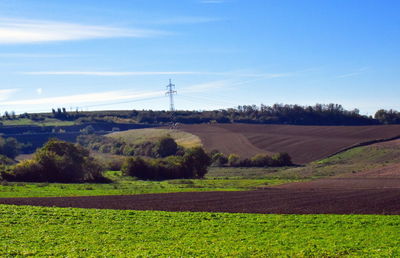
38, 231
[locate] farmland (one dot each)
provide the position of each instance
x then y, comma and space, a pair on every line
138, 136
126, 217
39, 231
303, 143
217, 180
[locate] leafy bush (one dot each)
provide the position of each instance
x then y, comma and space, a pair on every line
193, 164
166, 146
233, 160
261, 160
9, 147
219, 159
197, 161
281, 159
59, 161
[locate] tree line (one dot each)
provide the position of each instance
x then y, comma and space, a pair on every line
319, 114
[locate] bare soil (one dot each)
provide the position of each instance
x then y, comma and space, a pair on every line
365, 193
303, 143
271, 200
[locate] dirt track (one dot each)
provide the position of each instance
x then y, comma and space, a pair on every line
303, 143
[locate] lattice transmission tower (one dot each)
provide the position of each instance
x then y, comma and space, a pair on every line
171, 92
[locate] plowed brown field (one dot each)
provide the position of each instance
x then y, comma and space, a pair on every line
371, 192
303, 143
272, 200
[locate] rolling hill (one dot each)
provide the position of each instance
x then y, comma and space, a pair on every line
303, 143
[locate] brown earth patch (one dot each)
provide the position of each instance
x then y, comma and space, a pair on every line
303, 143
271, 200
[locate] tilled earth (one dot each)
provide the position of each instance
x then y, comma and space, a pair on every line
303, 143
270, 200
375, 191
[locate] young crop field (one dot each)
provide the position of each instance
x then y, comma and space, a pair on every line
123, 185
138, 136
45, 122
39, 231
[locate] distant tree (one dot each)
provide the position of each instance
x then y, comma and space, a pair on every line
9, 147
261, 160
166, 146
59, 161
219, 159
197, 160
233, 160
281, 159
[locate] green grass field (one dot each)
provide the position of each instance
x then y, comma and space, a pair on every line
46, 122
38, 231
43, 231
138, 136
123, 185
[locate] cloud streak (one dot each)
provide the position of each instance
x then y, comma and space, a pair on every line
18, 31
80, 99
106, 73
153, 73
207, 86
7, 93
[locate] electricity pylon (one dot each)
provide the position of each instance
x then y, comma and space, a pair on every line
171, 92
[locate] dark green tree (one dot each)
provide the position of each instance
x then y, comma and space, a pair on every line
166, 146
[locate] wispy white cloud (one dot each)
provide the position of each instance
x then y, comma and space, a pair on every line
7, 93
39, 91
33, 55
207, 86
81, 99
13, 31
107, 73
355, 73
152, 73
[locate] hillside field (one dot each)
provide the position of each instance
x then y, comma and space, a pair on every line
303, 143
138, 136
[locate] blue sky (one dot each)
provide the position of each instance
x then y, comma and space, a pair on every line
119, 54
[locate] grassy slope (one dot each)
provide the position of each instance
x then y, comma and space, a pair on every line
217, 181
351, 161
137, 136
38, 231
46, 122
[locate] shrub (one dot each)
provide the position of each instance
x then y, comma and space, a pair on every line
4, 160
197, 161
136, 167
233, 160
281, 159
9, 147
114, 164
261, 160
193, 164
219, 160
166, 146
59, 161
